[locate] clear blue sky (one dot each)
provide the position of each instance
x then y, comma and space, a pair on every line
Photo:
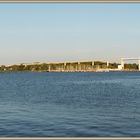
67, 32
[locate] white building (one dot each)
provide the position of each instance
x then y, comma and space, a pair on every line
120, 67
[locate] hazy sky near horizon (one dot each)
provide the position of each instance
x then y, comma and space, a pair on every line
67, 32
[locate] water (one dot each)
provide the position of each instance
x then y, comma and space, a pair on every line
70, 104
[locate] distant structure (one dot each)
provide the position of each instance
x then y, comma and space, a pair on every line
78, 66
121, 67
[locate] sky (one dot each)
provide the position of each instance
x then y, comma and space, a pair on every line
68, 32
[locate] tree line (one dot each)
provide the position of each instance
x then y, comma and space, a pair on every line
46, 67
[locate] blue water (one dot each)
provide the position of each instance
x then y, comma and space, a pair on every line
70, 104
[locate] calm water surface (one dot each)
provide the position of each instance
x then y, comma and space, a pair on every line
70, 104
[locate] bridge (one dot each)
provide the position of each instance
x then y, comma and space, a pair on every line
123, 59
76, 66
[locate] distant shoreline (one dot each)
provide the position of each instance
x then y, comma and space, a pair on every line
85, 66
114, 71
